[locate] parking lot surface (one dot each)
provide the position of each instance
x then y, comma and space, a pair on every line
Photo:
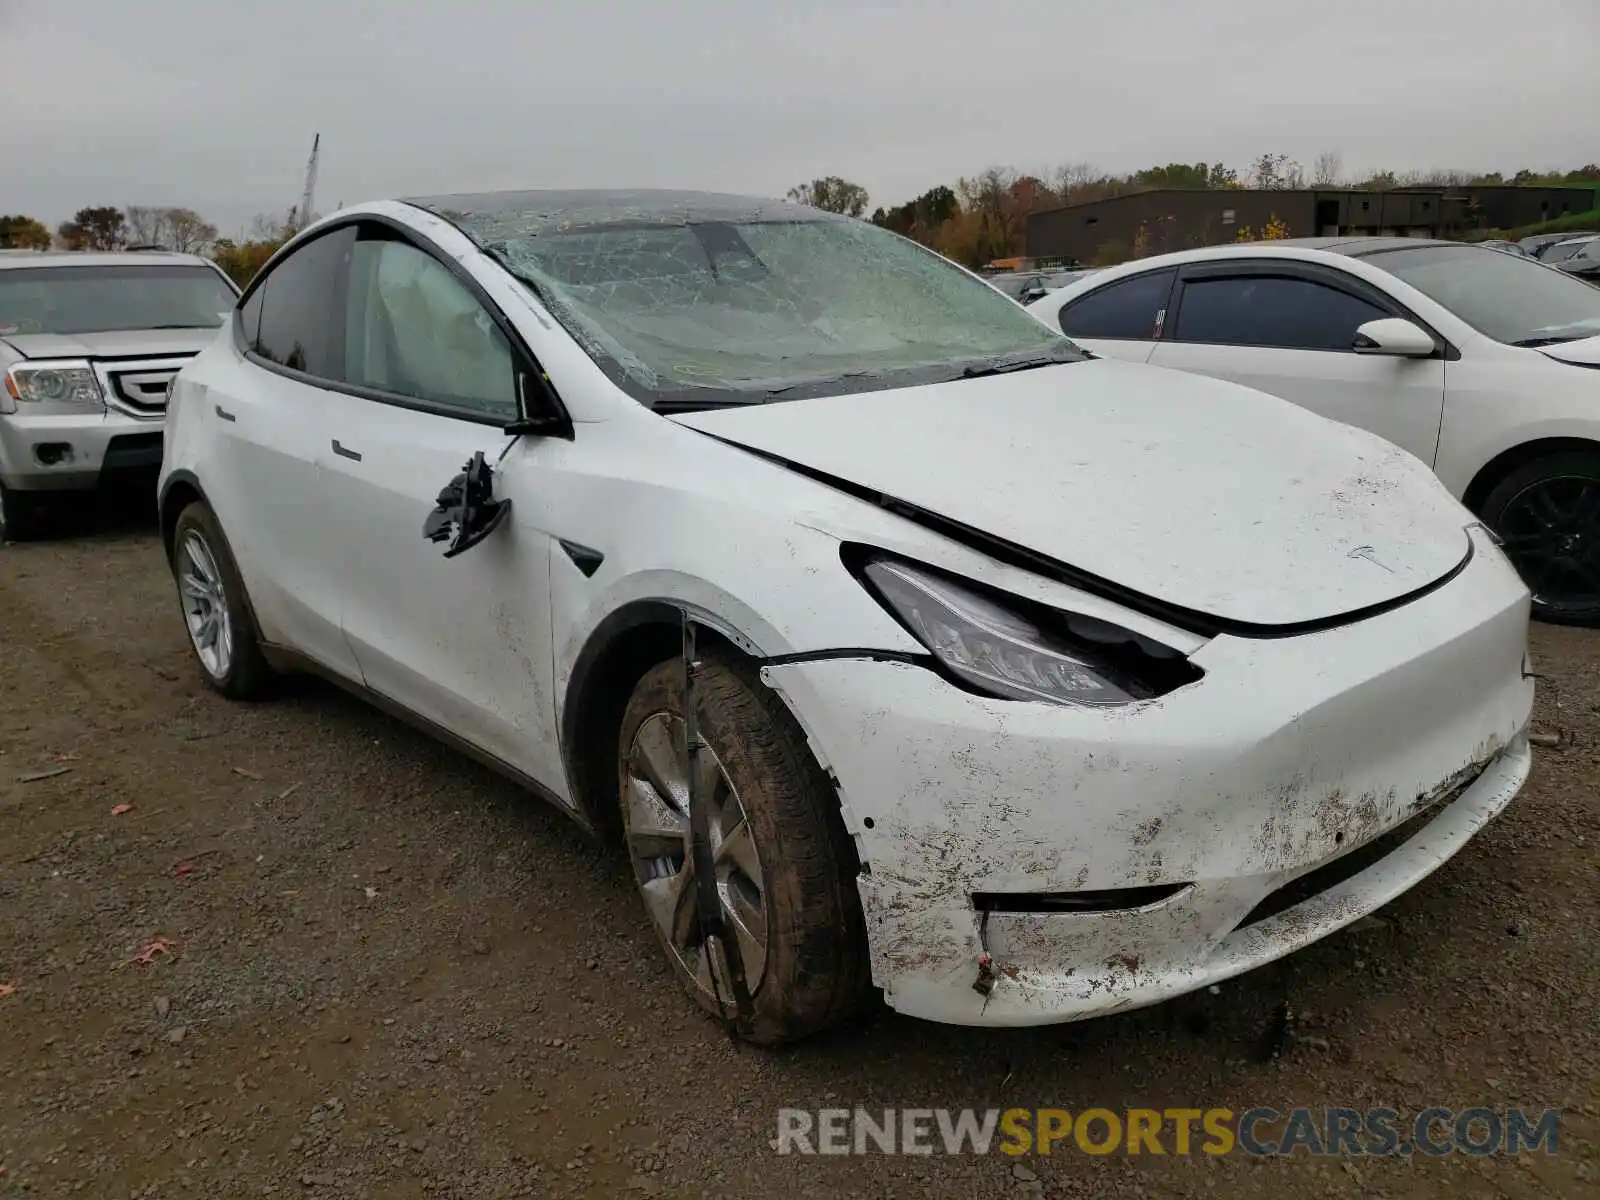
376, 970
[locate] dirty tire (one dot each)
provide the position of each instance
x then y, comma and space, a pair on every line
816, 974
1512, 510
19, 515
247, 675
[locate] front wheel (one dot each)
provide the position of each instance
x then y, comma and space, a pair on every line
784, 865
216, 613
1547, 515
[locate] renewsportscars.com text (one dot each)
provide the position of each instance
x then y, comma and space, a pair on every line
1318, 1132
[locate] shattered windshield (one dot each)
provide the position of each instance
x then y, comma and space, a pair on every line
727, 308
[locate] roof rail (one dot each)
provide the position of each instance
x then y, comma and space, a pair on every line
145, 246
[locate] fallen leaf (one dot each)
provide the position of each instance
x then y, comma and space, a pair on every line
183, 868
372, 893
247, 774
147, 953
287, 792
7, 989
119, 809
64, 756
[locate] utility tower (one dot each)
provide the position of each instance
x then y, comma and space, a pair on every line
301, 216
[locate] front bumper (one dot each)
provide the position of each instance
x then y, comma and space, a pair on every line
1290, 755
62, 451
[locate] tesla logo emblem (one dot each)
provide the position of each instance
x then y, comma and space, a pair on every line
1367, 553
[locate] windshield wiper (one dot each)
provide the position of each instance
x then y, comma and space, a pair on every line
1535, 342
1004, 366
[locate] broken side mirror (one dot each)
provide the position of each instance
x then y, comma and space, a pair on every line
466, 511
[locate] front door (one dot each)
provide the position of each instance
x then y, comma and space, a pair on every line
1293, 336
463, 642
264, 413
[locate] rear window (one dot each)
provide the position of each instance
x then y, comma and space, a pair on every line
105, 299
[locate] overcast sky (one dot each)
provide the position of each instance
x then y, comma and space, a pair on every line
213, 105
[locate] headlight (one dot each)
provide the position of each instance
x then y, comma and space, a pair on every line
68, 384
1014, 649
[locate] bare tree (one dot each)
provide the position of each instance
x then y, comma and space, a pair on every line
180, 229
1329, 169
187, 231
146, 226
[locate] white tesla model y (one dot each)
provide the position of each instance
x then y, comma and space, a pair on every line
899, 642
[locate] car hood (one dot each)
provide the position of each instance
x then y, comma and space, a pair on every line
1585, 352
133, 343
1199, 494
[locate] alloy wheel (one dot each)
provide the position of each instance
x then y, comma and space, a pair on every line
1551, 532
205, 605
656, 825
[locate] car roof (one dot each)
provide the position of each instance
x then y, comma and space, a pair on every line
94, 258
530, 212
1309, 248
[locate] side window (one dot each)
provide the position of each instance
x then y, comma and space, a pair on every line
296, 307
1130, 309
1267, 310
413, 329
250, 318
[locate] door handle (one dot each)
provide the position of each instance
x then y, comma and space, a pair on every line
224, 413
345, 451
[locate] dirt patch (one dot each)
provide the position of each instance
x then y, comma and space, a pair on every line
386, 973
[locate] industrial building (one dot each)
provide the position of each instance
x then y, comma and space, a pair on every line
1176, 219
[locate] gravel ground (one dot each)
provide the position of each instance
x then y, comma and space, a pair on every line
389, 974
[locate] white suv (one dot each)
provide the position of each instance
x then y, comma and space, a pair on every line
88, 345
891, 638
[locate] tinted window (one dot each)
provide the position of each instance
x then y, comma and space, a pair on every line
1129, 308
1264, 310
297, 315
414, 329
113, 297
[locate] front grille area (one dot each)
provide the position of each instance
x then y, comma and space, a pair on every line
142, 391
1347, 866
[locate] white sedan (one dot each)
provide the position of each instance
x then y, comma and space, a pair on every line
1483, 365
894, 641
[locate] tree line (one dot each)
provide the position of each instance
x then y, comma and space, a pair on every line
975, 221
984, 217
107, 227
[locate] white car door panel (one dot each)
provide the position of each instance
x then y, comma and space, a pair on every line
463, 642
263, 480
1293, 337
1398, 399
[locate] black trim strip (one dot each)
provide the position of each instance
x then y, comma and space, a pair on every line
807, 656
1190, 620
1103, 901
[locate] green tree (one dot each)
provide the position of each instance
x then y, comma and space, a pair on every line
102, 228
1197, 176
922, 217
18, 232
241, 260
832, 194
